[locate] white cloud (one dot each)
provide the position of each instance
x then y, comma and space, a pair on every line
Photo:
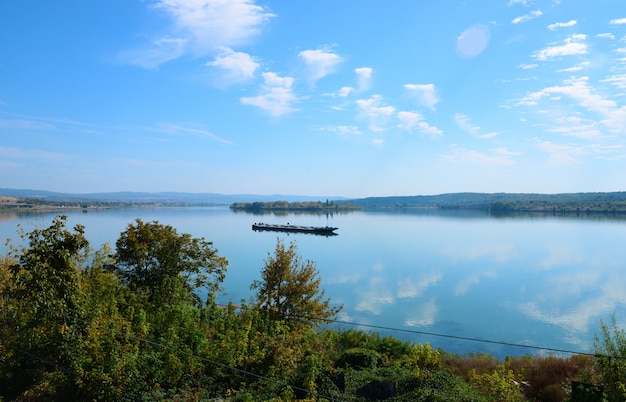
575, 127
425, 93
557, 25
200, 27
364, 78
364, 82
578, 89
372, 110
412, 121
34, 154
345, 91
560, 154
606, 35
344, 130
526, 17
464, 124
320, 62
216, 23
161, 51
276, 95
409, 289
618, 80
579, 67
498, 157
527, 66
174, 129
618, 21
572, 46
238, 66
522, 2
424, 315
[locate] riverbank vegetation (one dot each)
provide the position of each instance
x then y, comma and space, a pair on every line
128, 324
307, 206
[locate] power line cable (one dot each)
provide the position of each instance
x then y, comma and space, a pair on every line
458, 337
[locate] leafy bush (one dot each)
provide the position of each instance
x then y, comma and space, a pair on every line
610, 349
359, 359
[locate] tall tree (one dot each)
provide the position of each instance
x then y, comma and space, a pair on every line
289, 289
151, 256
46, 316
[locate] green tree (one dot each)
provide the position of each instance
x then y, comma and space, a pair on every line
44, 326
289, 289
610, 348
152, 256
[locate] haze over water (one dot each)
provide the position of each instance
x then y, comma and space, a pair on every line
541, 281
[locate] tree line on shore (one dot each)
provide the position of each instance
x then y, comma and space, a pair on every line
128, 324
308, 206
498, 203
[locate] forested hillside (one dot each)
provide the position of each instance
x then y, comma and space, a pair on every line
506, 202
127, 324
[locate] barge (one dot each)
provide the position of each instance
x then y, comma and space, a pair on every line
321, 230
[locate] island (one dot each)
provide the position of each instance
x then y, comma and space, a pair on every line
305, 206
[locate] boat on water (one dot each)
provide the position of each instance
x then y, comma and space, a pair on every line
321, 230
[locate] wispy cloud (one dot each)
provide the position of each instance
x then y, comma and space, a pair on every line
606, 35
579, 67
619, 80
174, 129
375, 112
557, 25
528, 66
276, 95
572, 46
522, 2
159, 51
344, 130
425, 94
425, 314
560, 154
526, 17
579, 90
413, 121
26, 154
618, 21
409, 288
364, 78
320, 62
200, 27
465, 124
496, 157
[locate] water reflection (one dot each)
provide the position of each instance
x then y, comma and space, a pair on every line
545, 281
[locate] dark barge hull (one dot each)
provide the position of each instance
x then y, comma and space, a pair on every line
319, 230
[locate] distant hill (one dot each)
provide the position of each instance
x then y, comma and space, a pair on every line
161, 198
492, 202
504, 202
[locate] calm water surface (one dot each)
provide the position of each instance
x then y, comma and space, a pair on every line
543, 281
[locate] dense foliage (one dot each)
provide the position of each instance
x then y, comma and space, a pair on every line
128, 325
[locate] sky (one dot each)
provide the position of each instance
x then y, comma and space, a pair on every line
323, 98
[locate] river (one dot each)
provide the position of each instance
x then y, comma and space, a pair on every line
465, 282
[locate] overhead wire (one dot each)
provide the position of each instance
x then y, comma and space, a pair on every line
448, 336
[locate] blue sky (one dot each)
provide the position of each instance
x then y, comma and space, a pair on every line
331, 98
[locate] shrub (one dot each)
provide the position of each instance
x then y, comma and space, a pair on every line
359, 359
